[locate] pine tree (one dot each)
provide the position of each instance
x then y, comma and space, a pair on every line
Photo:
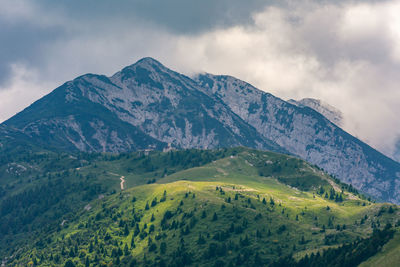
154, 202
391, 210
126, 230
203, 214
163, 247
321, 190
71, 253
151, 228
126, 250
137, 230
201, 240
133, 242
69, 263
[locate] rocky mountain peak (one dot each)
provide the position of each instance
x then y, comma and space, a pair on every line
148, 63
330, 112
148, 106
143, 71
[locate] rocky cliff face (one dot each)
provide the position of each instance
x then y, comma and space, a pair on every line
329, 112
396, 152
148, 106
306, 133
144, 106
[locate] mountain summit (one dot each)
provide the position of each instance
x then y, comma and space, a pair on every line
148, 106
331, 113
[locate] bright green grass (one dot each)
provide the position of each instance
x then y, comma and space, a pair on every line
389, 256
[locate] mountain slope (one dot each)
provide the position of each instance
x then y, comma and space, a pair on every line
306, 133
148, 106
143, 106
396, 152
388, 256
330, 112
223, 207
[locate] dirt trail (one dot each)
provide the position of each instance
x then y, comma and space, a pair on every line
122, 178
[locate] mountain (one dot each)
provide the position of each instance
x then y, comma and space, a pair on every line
330, 112
396, 153
225, 207
144, 106
147, 106
309, 135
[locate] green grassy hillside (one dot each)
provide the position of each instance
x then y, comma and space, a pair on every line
236, 207
388, 256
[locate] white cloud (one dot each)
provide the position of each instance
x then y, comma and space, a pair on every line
344, 54
22, 90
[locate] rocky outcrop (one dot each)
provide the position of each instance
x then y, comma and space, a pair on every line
330, 112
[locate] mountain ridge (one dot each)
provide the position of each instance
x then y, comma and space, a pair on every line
148, 106
330, 112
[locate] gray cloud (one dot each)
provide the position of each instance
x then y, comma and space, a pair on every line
180, 16
23, 42
27, 28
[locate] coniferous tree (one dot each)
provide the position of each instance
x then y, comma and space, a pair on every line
163, 247
137, 230
154, 202
271, 201
126, 250
201, 240
133, 242
69, 263
126, 230
203, 214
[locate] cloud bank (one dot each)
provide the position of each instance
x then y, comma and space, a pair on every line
346, 53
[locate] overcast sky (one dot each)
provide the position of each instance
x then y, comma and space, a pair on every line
346, 53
